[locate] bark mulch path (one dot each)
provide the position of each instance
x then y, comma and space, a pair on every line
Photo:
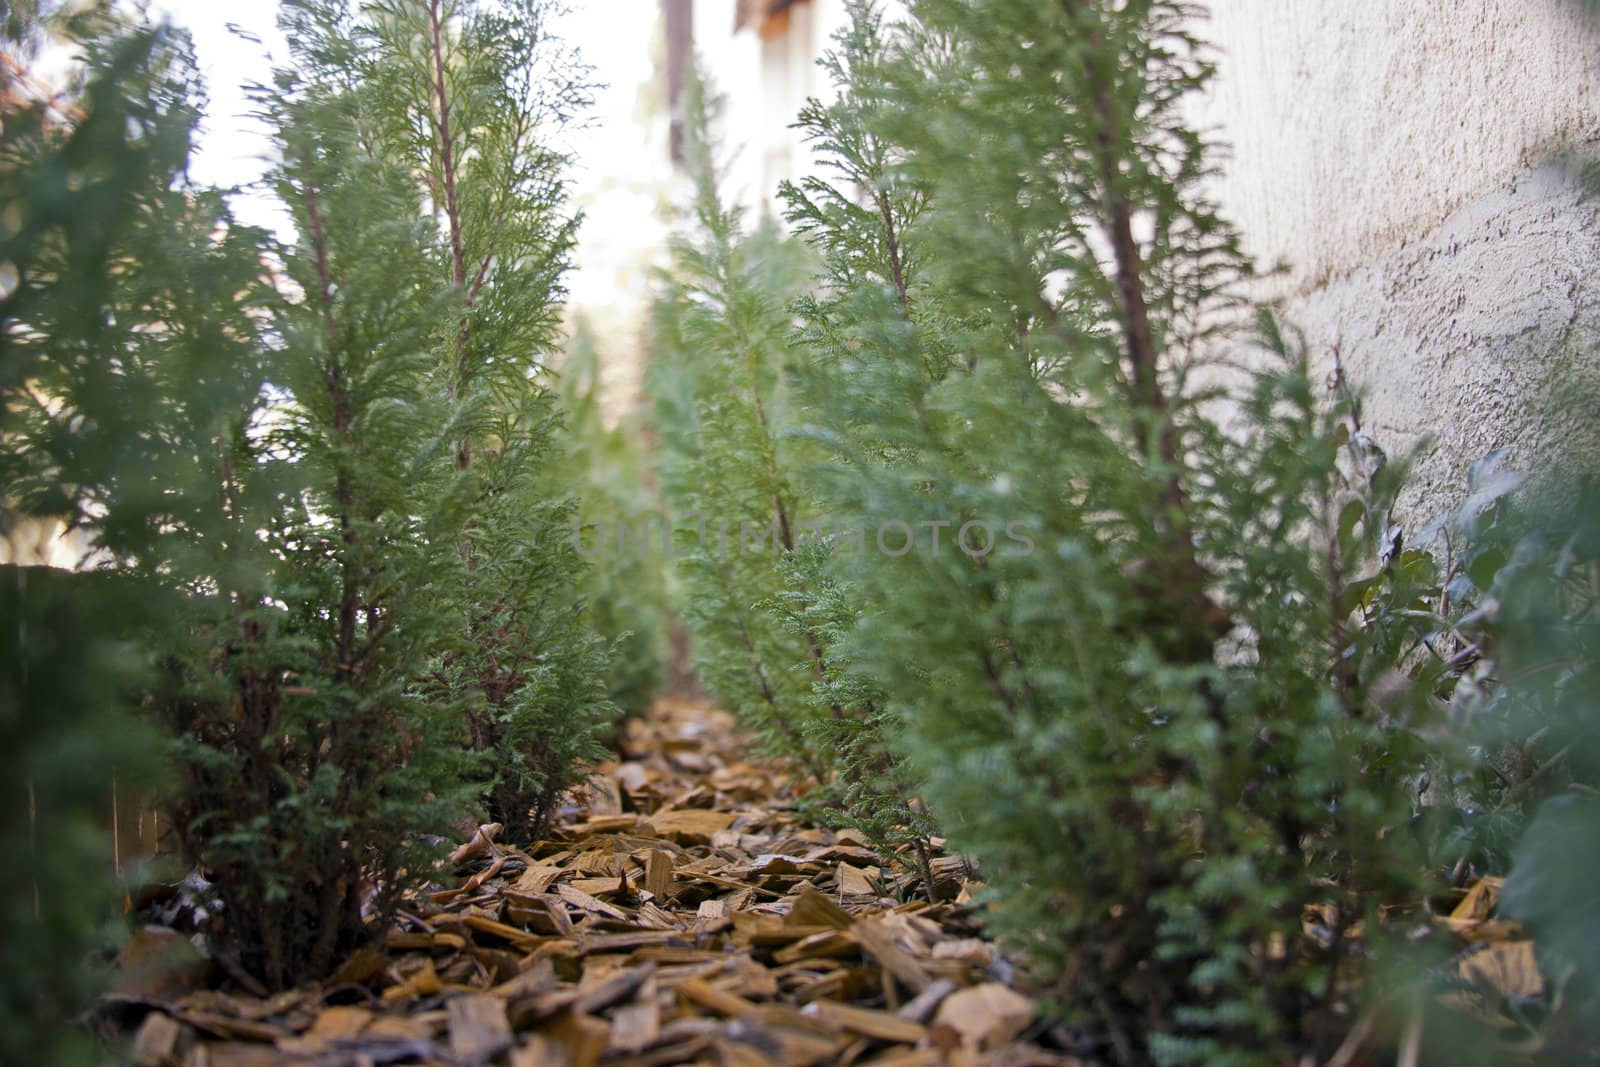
684, 912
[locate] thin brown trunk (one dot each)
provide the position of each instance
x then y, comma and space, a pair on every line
333, 379
1134, 304
891, 243
452, 208
1175, 584
812, 650
447, 153
785, 533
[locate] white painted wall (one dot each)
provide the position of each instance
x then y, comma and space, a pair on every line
1417, 167
768, 81
731, 64
1356, 125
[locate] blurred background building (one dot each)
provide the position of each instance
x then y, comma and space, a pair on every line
761, 56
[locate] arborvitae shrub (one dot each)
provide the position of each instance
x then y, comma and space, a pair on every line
92, 184
328, 457
718, 345
472, 99
1020, 270
624, 593
770, 627
309, 768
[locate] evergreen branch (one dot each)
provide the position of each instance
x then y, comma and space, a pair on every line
506, 198
319, 251
1177, 578
743, 343
797, 743
441, 124
333, 378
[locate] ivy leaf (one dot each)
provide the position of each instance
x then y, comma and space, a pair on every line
1485, 566
1349, 516
1551, 888
1487, 482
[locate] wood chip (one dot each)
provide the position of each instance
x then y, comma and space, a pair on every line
711, 931
340, 1022
707, 996
658, 880
853, 881
614, 989
636, 1026
423, 982
920, 1009
787, 1036
231, 1026
536, 879
478, 1029
812, 908
824, 945
986, 1015
877, 940
156, 1043
582, 1038
690, 827
605, 824
632, 776
519, 938
584, 901
879, 1025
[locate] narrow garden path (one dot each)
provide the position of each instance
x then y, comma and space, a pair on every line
683, 912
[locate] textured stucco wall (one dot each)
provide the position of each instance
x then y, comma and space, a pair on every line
1417, 167
1469, 332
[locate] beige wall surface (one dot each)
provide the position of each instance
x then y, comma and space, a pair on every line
1417, 166
1358, 124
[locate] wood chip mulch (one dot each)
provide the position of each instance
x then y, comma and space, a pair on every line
684, 912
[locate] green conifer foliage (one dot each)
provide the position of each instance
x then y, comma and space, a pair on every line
470, 99
771, 625
324, 467
726, 474
1523, 578
624, 592
309, 766
68, 696
1020, 269
68, 686
249, 453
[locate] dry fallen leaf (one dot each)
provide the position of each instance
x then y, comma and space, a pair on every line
1508, 967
